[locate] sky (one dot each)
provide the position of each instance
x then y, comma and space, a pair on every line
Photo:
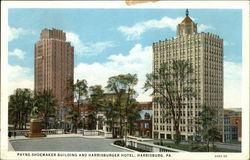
109, 42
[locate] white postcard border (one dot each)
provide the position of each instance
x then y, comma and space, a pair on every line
244, 5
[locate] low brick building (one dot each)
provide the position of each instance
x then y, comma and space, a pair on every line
143, 126
232, 124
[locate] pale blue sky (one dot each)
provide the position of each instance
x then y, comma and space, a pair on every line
114, 41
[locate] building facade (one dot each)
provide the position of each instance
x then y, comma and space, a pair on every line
54, 64
232, 125
204, 51
143, 125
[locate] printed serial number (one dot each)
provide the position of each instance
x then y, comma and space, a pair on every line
220, 156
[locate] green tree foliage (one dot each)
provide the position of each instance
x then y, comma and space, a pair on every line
23, 101
133, 113
73, 116
208, 122
122, 86
80, 92
111, 113
171, 83
96, 102
45, 101
20, 105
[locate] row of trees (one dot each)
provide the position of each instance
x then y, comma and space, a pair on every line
23, 101
170, 83
119, 104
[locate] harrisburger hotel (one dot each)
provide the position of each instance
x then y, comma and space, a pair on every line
204, 51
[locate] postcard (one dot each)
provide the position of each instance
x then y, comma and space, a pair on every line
125, 80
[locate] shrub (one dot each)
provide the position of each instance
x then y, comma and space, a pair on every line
137, 149
120, 143
177, 138
215, 149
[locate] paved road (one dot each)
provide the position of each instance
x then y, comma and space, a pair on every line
75, 144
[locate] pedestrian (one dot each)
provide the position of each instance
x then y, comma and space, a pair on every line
9, 134
14, 134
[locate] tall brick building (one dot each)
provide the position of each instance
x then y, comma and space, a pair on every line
204, 51
54, 64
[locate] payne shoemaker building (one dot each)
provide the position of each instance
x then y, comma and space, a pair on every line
204, 51
54, 64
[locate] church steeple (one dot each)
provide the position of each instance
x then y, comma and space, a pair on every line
187, 26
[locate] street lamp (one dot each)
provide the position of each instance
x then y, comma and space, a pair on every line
126, 132
62, 116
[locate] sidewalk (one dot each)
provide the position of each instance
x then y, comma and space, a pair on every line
10, 148
57, 136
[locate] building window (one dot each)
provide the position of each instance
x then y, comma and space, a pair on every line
146, 116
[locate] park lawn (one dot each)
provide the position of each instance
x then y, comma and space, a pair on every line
196, 148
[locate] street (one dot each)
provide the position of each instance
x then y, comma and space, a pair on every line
73, 144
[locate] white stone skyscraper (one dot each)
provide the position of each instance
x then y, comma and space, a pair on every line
204, 51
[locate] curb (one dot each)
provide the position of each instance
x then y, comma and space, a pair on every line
43, 138
94, 137
47, 137
122, 147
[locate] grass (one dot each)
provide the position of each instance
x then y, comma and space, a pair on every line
196, 148
234, 142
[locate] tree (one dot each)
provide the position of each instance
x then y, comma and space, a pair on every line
45, 101
111, 114
208, 122
171, 83
96, 102
14, 109
122, 87
20, 104
131, 106
132, 115
28, 105
80, 90
73, 115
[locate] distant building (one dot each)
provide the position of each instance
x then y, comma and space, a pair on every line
88, 120
143, 125
54, 64
204, 51
232, 124
85, 116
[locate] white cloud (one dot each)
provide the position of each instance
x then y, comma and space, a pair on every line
135, 32
138, 61
203, 27
226, 43
232, 85
15, 33
18, 53
19, 77
87, 49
